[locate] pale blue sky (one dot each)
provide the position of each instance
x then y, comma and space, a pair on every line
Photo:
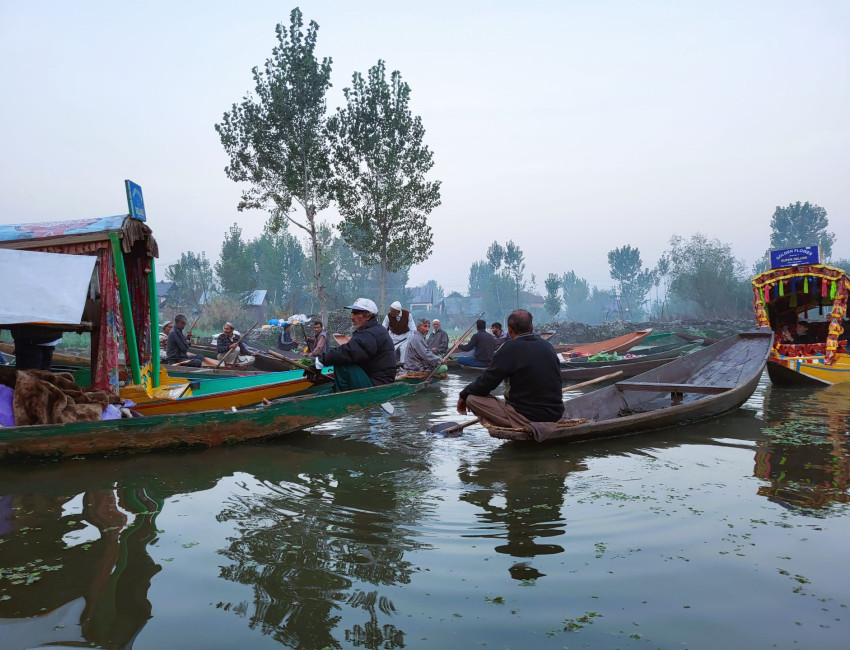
569, 127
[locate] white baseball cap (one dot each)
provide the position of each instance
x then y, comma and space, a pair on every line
364, 304
396, 305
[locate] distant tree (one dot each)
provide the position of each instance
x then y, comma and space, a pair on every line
515, 269
704, 272
801, 225
235, 269
577, 293
841, 263
192, 277
280, 264
553, 301
278, 143
437, 292
381, 163
661, 275
634, 280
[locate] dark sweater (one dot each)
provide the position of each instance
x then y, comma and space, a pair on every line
484, 344
532, 375
371, 348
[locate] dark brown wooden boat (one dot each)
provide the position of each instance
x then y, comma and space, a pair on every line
705, 340
591, 371
704, 384
262, 360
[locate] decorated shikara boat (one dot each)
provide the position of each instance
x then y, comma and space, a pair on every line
817, 294
203, 428
700, 385
616, 345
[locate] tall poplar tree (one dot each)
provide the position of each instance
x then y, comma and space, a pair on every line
380, 162
277, 142
801, 224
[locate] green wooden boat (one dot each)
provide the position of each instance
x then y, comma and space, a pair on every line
203, 428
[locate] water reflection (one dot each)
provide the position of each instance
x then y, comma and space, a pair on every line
316, 535
805, 456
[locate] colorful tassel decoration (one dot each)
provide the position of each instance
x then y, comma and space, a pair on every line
832, 290
823, 288
805, 285
781, 288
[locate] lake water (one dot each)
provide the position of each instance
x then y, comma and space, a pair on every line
371, 532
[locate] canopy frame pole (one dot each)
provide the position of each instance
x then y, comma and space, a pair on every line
126, 308
154, 334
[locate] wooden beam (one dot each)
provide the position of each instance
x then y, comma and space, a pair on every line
658, 387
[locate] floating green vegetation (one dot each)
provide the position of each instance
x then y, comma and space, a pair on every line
796, 433
498, 600
572, 624
28, 573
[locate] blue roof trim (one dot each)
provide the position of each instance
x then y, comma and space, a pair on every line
48, 229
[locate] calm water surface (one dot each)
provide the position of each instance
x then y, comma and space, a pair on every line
371, 532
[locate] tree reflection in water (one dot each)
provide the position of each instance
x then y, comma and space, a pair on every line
318, 542
805, 457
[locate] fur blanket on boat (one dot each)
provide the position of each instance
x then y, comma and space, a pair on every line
44, 397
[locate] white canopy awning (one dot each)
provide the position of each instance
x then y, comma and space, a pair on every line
43, 287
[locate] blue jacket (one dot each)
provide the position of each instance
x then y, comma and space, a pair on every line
371, 348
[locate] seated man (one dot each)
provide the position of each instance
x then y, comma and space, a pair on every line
484, 347
320, 343
419, 358
498, 335
800, 336
163, 340
368, 359
177, 347
438, 341
285, 342
231, 349
531, 371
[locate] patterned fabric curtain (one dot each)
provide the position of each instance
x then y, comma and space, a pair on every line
137, 267
111, 325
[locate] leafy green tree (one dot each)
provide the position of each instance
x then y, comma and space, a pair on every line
801, 225
705, 273
515, 269
277, 143
553, 301
192, 277
634, 280
576, 292
235, 269
381, 163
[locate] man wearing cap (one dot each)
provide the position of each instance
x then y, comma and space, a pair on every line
438, 341
399, 323
368, 359
230, 347
419, 357
285, 342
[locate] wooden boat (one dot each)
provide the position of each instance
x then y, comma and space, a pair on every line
705, 340
618, 345
60, 358
813, 292
262, 361
576, 370
202, 428
226, 393
704, 384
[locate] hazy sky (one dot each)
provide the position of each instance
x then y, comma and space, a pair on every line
571, 128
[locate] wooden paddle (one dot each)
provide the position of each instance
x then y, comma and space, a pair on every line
194, 322
239, 340
341, 339
454, 427
314, 374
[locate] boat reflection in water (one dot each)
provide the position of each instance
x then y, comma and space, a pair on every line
313, 539
805, 456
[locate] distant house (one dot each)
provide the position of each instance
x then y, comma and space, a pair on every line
256, 302
166, 293
423, 298
529, 301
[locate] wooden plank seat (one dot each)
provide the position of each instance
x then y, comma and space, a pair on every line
660, 387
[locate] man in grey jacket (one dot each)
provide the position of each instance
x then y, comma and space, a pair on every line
419, 358
438, 341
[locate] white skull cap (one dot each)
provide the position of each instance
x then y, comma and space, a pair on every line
396, 305
365, 304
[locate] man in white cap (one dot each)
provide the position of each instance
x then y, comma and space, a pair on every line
368, 359
231, 349
399, 323
438, 341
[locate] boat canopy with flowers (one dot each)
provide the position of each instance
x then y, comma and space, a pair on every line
814, 295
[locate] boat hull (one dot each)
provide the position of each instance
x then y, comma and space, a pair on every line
206, 428
808, 371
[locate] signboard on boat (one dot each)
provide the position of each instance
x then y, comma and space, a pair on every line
135, 200
800, 256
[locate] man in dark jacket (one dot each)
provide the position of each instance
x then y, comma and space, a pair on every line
532, 375
177, 347
368, 359
483, 344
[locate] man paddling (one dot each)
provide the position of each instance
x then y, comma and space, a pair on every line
531, 371
177, 347
368, 359
231, 349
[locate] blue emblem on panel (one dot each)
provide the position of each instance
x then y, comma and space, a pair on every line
135, 200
